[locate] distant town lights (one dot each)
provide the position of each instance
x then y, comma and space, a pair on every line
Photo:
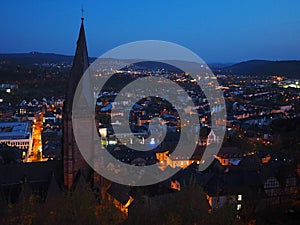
103, 132
152, 141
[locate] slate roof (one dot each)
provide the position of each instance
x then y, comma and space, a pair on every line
119, 192
35, 172
54, 191
17, 178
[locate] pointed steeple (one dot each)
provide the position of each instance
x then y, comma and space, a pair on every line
54, 192
72, 158
80, 65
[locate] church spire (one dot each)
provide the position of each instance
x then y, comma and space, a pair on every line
80, 64
82, 12
72, 158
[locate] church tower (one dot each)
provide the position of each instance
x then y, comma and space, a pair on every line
73, 162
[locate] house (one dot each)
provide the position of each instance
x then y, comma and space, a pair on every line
52, 144
162, 155
183, 160
279, 184
249, 182
226, 156
229, 156
212, 138
120, 194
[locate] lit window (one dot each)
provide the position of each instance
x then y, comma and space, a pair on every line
238, 207
239, 197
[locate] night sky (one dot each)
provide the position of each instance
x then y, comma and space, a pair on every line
218, 31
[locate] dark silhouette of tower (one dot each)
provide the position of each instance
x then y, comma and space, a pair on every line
73, 162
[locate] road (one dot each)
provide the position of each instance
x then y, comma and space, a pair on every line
37, 127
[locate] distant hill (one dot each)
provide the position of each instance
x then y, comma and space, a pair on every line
151, 65
37, 57
289, 68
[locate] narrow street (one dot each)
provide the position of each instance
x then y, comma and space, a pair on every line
37, 127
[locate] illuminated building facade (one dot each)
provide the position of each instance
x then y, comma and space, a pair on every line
16, 134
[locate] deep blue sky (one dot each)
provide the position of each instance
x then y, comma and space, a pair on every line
218, 31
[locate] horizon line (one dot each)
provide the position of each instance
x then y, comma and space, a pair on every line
212, 62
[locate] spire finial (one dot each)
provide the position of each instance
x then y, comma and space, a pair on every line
82, 13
